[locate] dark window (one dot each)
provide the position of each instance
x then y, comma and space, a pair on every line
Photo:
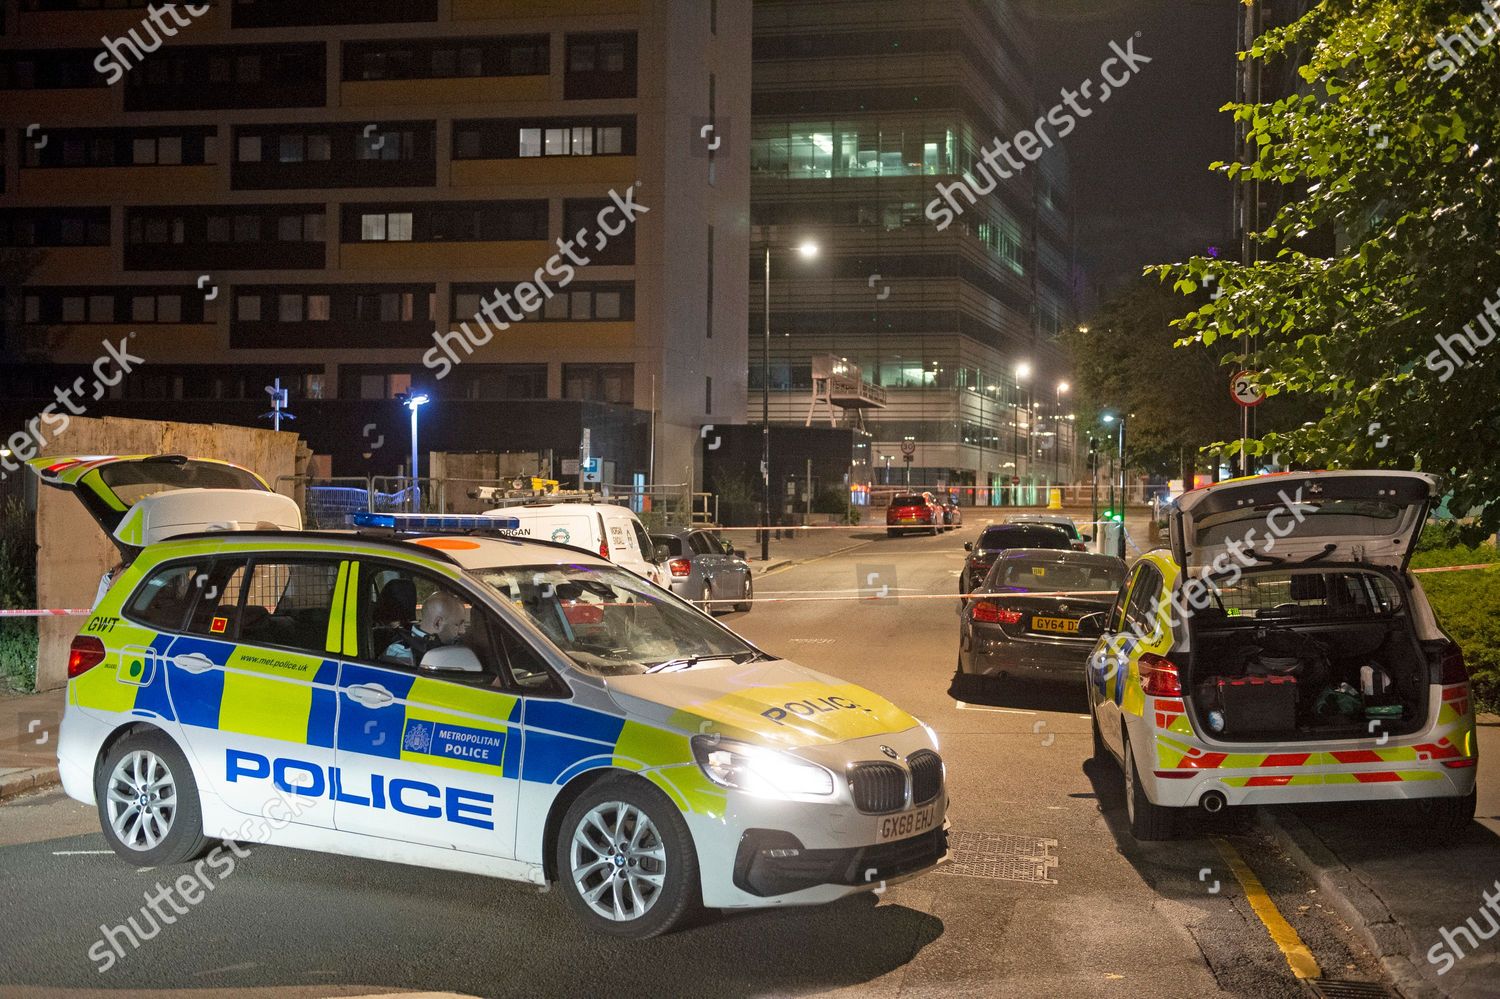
54, 227
708, 319
335, 155
613, 383
116, 147
1141, 614
1024, 536
363, 316
600, 301
163, 600
517, 55
287, 604
499, 381
143, 304
300, 13
403, 615
242, 237
600, 66
217, 611
583, 216
211, 77
50, 69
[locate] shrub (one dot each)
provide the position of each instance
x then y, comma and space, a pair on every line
1465, 603
18, 638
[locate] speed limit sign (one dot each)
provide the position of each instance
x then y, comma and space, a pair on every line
1245, 391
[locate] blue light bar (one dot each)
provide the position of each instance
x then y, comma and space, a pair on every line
432, 523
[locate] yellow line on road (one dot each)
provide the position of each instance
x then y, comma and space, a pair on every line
1301, 960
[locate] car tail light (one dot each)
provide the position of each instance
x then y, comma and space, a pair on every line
1453, 668
680, 567
1079, 546
604, 549
1159, 676
85, 653
989, 612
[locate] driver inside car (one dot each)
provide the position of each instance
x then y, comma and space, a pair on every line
444, 621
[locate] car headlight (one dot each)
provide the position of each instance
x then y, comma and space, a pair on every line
758, 770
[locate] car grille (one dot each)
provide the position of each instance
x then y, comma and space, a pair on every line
926, 776
878, 787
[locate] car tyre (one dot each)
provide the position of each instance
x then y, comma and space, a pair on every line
744, 608
1447, 819
891, 532
654, 886
148, 802
1148, 821
1101, 751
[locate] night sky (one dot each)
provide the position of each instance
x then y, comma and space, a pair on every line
1141, 186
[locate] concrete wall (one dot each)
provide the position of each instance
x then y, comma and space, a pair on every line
75, 553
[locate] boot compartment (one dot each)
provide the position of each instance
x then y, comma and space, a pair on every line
1303, 655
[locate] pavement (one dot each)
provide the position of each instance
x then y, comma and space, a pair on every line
1048, 893
28, 741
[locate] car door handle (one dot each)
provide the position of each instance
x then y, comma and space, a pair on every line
193, 662
371, 695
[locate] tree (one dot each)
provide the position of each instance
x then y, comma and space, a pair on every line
1126, 361
1394, 151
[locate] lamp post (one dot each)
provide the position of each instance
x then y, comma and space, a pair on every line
1110, 418
414, 401
1063, 388
1023, 375
808, 249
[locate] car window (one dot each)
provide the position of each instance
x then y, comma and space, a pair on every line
288, 604
1015, 536
611, 622
1020, 575
725, 546
216, 614
908, 499
163, 600
1307, 595
700, 544
642, 540
403, 614
672, 541
1140, 614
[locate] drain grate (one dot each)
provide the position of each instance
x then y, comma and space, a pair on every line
1331, 989
1001, 857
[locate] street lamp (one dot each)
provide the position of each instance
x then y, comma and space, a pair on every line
1063, 388
808, 249
1023, 375
414, 401
1109, 419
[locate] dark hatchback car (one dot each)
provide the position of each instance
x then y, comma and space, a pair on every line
1037, 614
1003, 537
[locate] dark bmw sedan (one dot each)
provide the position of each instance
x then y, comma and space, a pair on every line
1037, 614
1002, 537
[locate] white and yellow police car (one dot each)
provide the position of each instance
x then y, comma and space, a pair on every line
460, 700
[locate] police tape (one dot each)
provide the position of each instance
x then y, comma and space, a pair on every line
874, 595
66, 612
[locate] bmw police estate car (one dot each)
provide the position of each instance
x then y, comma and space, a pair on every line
1281, 652
464, 701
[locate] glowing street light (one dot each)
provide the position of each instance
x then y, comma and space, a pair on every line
414, 401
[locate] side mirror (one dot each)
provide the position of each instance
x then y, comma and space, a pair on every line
1085, 538
739, 553
968, 546
451, 659
660, 553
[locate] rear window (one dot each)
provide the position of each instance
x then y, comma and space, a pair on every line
1016, 536
908, 500
1023, 575
134, 481
1309, 595
673, 543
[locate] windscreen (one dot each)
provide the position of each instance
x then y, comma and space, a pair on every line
1026, 575
1064, 526
1016, 536
611, 622
133, 481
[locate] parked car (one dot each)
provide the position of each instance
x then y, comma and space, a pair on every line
1080, 540
704, 568
913, 512
1039, 614
610, 530
953, 514
1311, 670
1000, 537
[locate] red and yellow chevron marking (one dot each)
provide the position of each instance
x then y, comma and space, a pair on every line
1173, 755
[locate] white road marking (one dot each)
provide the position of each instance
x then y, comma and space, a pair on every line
79, 853
965, 706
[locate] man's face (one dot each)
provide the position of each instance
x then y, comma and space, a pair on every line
453, 626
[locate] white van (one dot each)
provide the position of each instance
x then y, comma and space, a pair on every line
612, 531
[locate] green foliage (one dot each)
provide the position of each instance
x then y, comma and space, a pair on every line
1398, 164
18, 638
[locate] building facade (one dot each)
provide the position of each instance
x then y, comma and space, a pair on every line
862, 110
364, 200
